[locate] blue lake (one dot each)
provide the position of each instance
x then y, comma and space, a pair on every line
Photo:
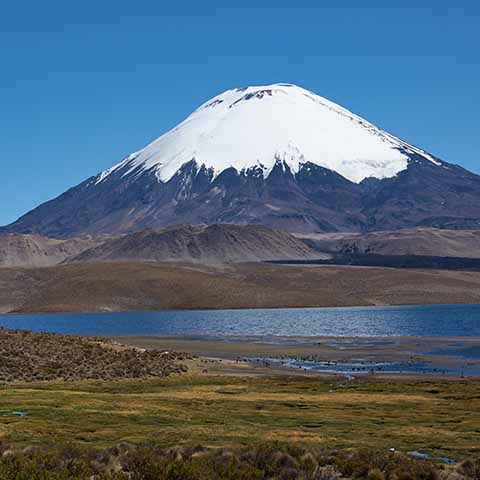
431, 320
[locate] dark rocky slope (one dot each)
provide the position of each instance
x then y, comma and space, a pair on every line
313, 200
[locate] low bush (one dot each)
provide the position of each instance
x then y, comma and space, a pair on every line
27, 357
262, 462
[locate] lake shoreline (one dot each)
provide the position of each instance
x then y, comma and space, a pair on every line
375, 357
46, 311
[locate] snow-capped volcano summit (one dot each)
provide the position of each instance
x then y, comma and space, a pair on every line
254, 127
275, 155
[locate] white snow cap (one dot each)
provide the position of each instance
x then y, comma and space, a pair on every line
256, 126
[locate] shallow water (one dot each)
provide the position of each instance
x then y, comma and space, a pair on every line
470, 352
352, 368
425, 320
426, 456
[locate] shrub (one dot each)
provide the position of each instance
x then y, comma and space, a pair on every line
470, 468
375, 474
261, 462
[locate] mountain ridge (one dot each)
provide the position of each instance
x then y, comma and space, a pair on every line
207, 244
17, 250
420, 241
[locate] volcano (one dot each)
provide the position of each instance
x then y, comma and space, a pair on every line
279, 156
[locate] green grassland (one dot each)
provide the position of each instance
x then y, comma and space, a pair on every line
437, 417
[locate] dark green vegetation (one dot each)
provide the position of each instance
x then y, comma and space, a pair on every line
27, 356
265, 461
440, 418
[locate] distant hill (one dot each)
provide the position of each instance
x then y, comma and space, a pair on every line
18, 250
418, 241
211, 244
225, 243
139, 286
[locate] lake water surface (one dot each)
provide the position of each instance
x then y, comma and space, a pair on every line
431, 320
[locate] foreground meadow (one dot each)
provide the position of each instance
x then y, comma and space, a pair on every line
437, 417
92, 408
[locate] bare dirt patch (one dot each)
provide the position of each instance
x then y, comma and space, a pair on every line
160, 286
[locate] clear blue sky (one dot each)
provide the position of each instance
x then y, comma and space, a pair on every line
82, 84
